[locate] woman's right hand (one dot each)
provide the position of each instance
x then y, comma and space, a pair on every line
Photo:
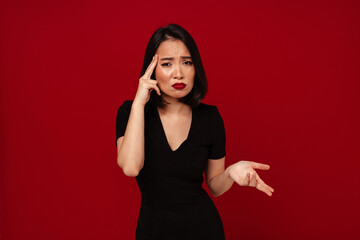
146, 85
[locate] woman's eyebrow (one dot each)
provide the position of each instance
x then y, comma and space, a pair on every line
171, 58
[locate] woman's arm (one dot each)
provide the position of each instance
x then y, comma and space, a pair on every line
131, 146
216, 177
131, 150
242, 172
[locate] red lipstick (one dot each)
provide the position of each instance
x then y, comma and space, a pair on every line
179, 86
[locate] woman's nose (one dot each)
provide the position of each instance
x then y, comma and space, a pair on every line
178, 73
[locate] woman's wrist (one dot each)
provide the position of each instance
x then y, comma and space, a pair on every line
138, 104
227, 172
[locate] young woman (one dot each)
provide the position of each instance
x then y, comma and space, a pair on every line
167, 138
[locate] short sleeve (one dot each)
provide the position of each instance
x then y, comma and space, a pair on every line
218, 147
122, 118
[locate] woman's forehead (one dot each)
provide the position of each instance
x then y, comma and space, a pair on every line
172, 48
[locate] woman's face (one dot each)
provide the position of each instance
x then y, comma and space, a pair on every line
175, 72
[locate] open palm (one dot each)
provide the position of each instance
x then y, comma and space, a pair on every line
244, 174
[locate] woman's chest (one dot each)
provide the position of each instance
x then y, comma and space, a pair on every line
190, 157
176, 130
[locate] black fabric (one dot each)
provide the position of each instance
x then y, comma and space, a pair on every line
173, 203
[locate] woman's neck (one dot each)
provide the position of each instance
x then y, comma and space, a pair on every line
174, 107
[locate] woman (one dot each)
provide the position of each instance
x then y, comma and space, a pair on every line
167, 138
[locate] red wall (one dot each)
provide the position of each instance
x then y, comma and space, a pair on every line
284, 75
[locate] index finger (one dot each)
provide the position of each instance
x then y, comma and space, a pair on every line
260, 166
151, 67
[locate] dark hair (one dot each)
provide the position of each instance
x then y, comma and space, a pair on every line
174, 31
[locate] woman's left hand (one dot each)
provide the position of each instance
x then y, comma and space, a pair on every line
243, 173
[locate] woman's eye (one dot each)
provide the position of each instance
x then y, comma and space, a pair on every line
188, 62
165, 64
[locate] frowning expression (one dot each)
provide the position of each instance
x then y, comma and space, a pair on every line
175, 72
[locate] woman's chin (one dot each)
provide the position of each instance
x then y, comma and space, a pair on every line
175, 95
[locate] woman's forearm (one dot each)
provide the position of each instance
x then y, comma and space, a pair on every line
131, 152
220, 183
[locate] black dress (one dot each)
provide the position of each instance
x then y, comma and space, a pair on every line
173, 203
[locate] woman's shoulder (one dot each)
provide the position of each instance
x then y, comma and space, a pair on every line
208, 109
209, 115
127, 104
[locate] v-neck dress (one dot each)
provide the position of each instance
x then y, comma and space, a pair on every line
174, 204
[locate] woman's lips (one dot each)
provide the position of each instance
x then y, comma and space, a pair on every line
179, 85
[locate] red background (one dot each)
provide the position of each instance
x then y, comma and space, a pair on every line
284, 75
